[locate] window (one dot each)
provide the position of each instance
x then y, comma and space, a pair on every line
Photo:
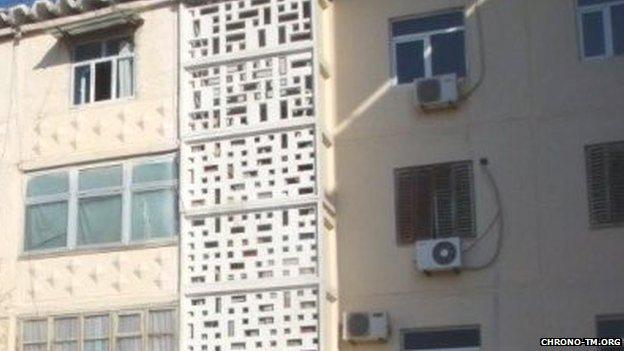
434, 201
428, 46
605, 183
610, 327
464, 339
601, 24
103, 71
123, 331
121, 203
35, 335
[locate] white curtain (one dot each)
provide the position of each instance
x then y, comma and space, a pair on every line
129, 325
96, 329
99, 220
46, 226
125, 77
66, 334
35, 335
161, 330
153, 214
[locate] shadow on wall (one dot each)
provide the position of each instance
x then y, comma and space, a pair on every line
56, 55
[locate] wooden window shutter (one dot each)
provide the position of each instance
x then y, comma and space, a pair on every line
413, 205
616, 182
463, 189
423, 209
598, 184
404, 208
444, 201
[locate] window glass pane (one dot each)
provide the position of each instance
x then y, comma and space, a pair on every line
441, 339
593, 34
35, 331
153, 214
52, 183
161, 322
102, 177
65, 334
152, 172
617, 22
129, 344
103, 80
592, 2
410, 61
82, 84
96, 329
128, 324
448, 54
99, 220
87, 52
46, 226
125, 77
611, 328
119, 47
36, 347
65, 329
426, 24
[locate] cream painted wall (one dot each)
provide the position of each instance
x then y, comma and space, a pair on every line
537, 107
45, 130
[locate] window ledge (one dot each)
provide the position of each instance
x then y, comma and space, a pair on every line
35, 255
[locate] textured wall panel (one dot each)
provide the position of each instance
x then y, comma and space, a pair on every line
250, 93
285, 320
276, 165
228, 27
251, 246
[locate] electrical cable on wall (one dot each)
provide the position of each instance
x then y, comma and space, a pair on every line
481, 45
498, 217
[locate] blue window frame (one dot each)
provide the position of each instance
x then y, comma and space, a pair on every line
601, 25
428, 46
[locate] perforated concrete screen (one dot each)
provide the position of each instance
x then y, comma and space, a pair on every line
252, 93
251, 240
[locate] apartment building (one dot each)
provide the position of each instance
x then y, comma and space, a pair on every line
212, 175
89, 251
525, 167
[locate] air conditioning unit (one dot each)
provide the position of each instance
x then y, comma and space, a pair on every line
437, 92
438, 254
365, 326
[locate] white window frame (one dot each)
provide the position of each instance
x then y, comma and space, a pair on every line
425, 37
113, 320
605, 9
114, 59
126, 190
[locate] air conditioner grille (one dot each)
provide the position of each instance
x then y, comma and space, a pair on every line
429, 90
358, 324
444, 253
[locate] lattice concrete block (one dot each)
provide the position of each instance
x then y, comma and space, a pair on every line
250, 93
270, 166
226, 27
254, 246
285, 320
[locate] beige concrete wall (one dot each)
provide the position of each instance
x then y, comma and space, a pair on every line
538, 105
45, 130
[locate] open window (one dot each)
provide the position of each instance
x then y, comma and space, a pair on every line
601, 24
103, 70
428, 46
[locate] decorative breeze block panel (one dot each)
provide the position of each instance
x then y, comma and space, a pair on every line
285, 320
276, 165
218, 27
250, 93
251, 246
